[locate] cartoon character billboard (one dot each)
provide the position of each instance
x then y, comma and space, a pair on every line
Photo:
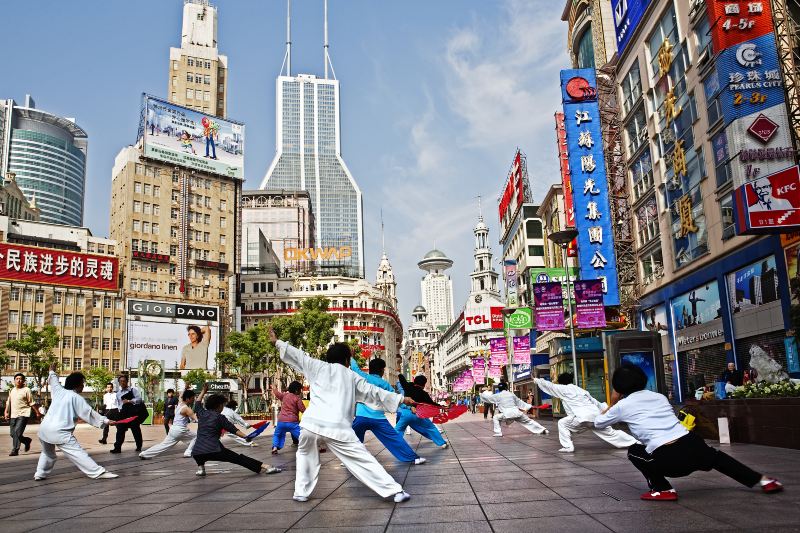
185, 137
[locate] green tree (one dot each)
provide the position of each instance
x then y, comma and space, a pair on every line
97, 378
197, 377
355, 351
248, 354
5, 360
310, 328
37, 345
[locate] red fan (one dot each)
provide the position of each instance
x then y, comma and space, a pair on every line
426, 410
456, 411
441, 418
258, 425
127, 420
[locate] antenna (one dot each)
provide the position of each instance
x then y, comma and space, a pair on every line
480, 209
287, 58
383, 236
325, 45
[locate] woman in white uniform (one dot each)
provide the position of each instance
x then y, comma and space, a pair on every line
66, 408
195, 354
508, 411
179, 431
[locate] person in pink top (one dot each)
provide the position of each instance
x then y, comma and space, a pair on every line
289, 417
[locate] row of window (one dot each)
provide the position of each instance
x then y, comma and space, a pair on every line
146, 227
146, 188
59, 297
68, 363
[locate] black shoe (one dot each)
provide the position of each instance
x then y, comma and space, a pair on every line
27, 444
13, 453
139, 449
116, 450
102, 441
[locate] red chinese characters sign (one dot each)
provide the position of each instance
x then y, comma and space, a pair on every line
58, 267
563, 161
513, 185
736, 21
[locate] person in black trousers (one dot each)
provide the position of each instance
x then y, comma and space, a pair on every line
110, 409
129, 400
207, 447
169, 409
488, 410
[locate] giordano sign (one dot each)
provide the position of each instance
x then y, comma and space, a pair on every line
313, 254
521, 318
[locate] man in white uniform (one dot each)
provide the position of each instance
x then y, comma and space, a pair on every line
229, 412
508, 410
56, 429
328, 420
581, 409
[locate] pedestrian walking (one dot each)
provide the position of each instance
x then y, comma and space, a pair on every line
56, 430
582, 409
130, 404
207, 446
406, 417
169, 409
289, 416
329, 418
488, 409
110, 409
372, 417
667, 448
20, 407
179, 431
508, 406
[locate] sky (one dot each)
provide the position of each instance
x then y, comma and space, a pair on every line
436, 97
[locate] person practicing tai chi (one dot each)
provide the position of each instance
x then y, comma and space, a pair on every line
235, 418
179, 431
668, 449
207, 447
406, 417
508, 410
289, 416
67, 406
581, 408
329, 418
371, 417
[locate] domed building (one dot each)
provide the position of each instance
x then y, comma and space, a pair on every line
437, 288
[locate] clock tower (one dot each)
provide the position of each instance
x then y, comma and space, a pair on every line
483, 277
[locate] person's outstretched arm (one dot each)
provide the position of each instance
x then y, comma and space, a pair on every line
366, 392
548, 387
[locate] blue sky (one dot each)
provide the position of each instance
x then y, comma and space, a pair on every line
436, 96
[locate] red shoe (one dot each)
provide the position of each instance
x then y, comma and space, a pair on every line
772, 486
665, 496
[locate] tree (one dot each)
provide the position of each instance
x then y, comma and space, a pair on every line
248, 354
37, 345
355, 351
97, 378
5, 360
310, 328
197, 377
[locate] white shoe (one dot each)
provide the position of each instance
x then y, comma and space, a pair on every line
201, 471
300, 498
402, 497
408, 431
273, 470
444, 446
107, 475
420, 461
545, 433
39, 478
187, 455
497, 435
566, 450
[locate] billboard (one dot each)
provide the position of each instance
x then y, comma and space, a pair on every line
563, 162
754, 285
482, 317
181, 136
644, 360
498, 351
763, 143
522, 350
172, 343
58, 267
655, 319
513, 195
596, 254
510, 270
768, 204
589, 309
627, 16
549, 305
736, 21
697, 317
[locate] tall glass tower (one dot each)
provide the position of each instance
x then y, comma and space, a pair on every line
309, 157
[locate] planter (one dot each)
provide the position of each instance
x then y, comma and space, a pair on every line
158, 420
766, 421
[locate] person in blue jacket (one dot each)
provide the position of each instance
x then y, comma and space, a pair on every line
372, 418
406, 417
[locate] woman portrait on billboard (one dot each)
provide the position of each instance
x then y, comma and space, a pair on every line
195, 354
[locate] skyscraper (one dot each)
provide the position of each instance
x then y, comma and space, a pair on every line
198, 74
308, 157
437, 288
47, 153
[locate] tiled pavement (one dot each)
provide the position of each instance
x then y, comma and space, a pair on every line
517, 483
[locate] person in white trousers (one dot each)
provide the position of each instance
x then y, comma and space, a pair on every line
229, 412
329, 417
179, 431
508, 410
58, 426
581, 408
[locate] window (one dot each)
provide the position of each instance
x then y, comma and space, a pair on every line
117, 323
207, 219
636, 131
206, 237
174, 81
68, 321
146, 208
57, 319
95, 322
155, 229
39, 297
26, 318
190, 61
206, 96
78, 343
77, 363
27, 295
134, 284
222, 239
173, 213
156, 191
13, 317
116, 343
175, 65
221, 294
66, 363
81, 300
631, 88
719, 146
190, 94
667, 28
137, 226
115, 365
156, 209
533, 229
641, 173
96, 301
15, 294
189, 77
585, 48
171, 288
137, 185
107, 323
726, 210
66, 342
106, 343
153, 286
222, 222
198, 78
647, 221
94, 363
145, 227
106, 363
95, 343
536, 250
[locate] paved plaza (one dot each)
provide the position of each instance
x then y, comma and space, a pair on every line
516, 483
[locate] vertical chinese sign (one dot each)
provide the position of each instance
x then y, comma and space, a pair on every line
549, 303
563, 162
589, 184
510, 269
522, 350
589, 309
498, 352
479, 369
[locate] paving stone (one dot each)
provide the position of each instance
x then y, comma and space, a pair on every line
562, 524
500, 511
328, 519
437, 514
671, 518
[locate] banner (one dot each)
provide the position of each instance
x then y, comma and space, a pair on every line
589, 308
494, 371
498, 351
510, 268
479, 369
58, 267
563, 161
181, 346
522, 350
549, 303
521, 318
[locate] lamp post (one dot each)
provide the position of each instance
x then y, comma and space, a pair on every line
563, 238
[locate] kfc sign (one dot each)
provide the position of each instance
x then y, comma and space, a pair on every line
769, 204
483, 318
58, 267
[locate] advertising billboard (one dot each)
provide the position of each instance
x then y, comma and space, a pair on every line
510, 270
498, 351
589, 309
736, 21
480, 317
627, 16
58, 267
655, 319
644, 360
513, 195
549, 305
763, 143
769, 204
754, 285
697, 317
181, 136
522, 350
596, 254
563, 162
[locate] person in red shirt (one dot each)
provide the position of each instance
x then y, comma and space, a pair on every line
289, 417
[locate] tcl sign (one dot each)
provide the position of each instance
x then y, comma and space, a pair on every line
482, 319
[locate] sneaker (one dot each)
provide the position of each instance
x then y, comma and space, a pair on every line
402, 496
444, 447
115, 450
665, 495
143, 458
39, 478
201, 471
274, 451
107, 475
273, 470
566, 450
420, 461
13, 453
27, 444
300, 498
187, 455
545, 433
497, 435
772, 486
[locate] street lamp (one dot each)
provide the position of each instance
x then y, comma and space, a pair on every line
563, 238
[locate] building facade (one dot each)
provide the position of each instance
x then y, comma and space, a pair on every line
525, 244
198, 74
437, 288
64, 276
13, 202
47, 153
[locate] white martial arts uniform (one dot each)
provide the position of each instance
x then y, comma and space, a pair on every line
508, 410
56, 429
234, 418
178, 432
581, 408
328, 420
